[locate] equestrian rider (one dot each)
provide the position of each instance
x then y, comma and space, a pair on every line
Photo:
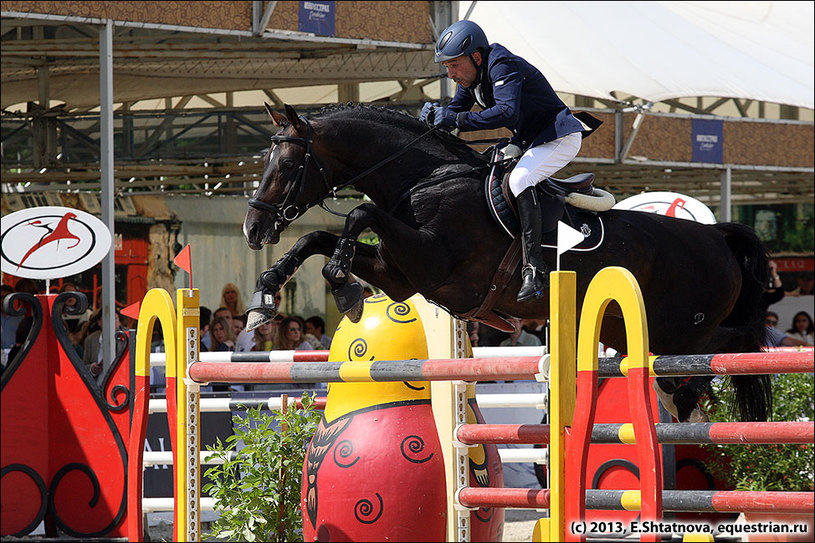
513, 94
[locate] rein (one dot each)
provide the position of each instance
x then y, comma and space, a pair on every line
288, 211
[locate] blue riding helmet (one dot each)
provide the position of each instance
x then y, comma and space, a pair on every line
458, 39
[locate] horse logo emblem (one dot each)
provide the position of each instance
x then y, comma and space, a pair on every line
51, 242
60, 232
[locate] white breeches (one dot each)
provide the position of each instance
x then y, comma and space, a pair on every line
543, 161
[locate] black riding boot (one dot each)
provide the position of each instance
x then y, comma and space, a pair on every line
535, 273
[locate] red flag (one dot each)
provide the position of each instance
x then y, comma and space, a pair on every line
132, 311
184, 261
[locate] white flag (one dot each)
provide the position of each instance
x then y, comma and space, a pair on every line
567, 237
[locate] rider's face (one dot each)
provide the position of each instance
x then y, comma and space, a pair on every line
461, 69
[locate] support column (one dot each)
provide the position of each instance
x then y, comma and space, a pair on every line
348, 92
444, 14
106, 162
725, 209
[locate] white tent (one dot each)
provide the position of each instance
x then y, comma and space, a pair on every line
662, 50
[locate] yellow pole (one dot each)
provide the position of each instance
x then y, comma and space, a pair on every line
562, 341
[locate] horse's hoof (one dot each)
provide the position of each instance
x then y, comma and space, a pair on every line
261, 309
347, 296
667, 400
697, 415
257, 317
355, 313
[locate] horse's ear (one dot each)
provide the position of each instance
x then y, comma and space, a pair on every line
291, 115
278, 119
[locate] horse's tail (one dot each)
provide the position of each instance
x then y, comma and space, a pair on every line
753, 393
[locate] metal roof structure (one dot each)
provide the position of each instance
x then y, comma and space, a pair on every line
202, 138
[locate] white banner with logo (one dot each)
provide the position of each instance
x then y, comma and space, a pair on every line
51, 242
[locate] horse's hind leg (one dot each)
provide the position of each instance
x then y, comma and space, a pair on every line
390, 230
347, 296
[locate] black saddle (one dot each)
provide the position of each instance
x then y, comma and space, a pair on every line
501, 204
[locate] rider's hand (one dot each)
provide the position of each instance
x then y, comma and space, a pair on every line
427, 114
445, 119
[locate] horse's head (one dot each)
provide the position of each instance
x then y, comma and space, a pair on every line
293, 180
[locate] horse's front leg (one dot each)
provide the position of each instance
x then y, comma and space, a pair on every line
262, 307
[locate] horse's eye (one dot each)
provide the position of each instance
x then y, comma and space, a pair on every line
287, 163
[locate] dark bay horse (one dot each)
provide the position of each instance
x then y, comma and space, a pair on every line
701, 283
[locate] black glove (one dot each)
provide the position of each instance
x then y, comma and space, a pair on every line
446, 119
428, 113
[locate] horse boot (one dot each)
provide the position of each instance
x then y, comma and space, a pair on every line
348, 296
535, 273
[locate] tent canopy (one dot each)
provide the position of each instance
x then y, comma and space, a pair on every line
662, 50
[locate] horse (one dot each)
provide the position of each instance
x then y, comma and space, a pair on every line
701, 283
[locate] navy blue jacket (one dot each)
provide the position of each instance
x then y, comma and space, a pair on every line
516, 96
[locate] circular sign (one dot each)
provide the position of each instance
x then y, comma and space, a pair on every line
51, 242
670, 204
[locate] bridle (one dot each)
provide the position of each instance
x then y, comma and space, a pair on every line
288, 211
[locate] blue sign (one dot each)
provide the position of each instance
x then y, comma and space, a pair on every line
316, 16
708, 141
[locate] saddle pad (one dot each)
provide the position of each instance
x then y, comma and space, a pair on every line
497, 202
587, 222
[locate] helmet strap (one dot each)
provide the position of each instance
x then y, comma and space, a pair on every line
477, 69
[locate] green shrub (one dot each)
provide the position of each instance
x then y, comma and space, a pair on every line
255, 503
771, 467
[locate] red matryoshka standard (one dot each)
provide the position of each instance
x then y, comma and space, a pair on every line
374, 469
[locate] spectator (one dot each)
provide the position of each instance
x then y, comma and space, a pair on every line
238, 324
73, 323
20, 336
537, 328
775, 292
489, 336
775, 337
520, 337
246, 341
290, 336
264, 336
805, 285
204, 318
221, 312
8, 323
802, 328
27, 285
93, 354
316, 326
472, 330
231, 299
223, 337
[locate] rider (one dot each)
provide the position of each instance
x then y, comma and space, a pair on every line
513, 94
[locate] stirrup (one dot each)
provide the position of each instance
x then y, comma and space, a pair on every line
533, 286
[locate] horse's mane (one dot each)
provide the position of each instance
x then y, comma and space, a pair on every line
396, 118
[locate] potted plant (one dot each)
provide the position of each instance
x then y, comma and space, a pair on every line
257, 489
760, 467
